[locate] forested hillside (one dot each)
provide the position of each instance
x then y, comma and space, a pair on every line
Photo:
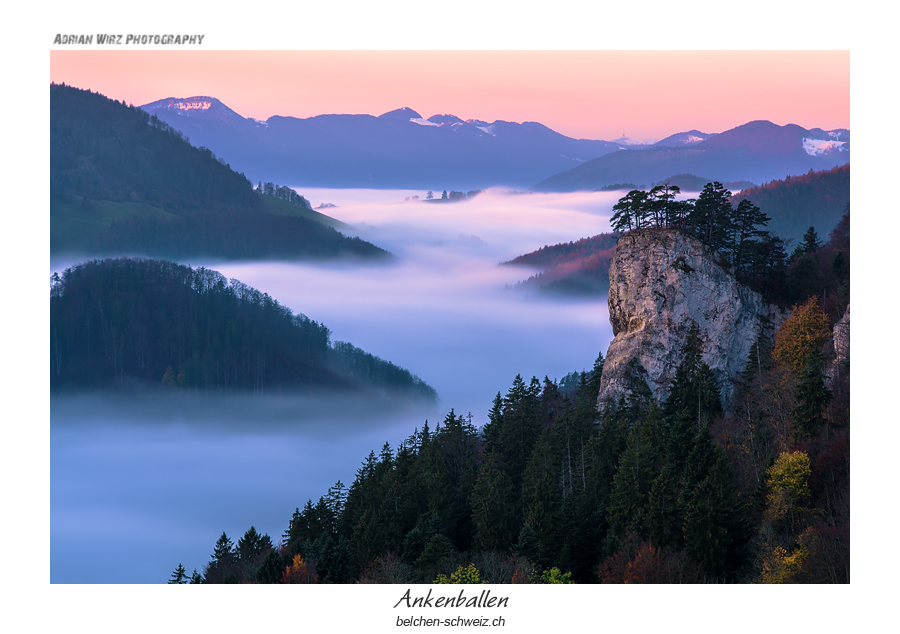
554, 489
123, 182
797, 202
106, 150
134, 323
575, 268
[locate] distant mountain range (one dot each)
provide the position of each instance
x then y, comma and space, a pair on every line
758, 151
401, 149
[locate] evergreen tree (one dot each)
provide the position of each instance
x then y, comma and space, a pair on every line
495, 507
747, 220
223, 551
542, 495
714, 530
665, 510
179, 575
660, 203
219, 569
456, 471
808, 244
593, 383
252, 545
528, 546
272, 567
693, 393
520, 428
491, 429
811, 397
711, 217
630, 212
638, 468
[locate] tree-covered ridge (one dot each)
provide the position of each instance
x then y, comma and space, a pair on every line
550, 256
233, 235
691, 183
125, 322
282, 192
105, 150
124, 183
581, 266
796, 202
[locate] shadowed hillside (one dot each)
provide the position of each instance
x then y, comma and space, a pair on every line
123, 182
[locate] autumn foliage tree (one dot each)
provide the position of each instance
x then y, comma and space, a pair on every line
805, 331
299, 571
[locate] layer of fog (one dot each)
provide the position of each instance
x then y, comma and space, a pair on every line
137, 487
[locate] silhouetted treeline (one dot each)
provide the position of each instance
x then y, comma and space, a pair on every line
232, 235
374, 371
283, 192
453, 196
691, 183
130, 322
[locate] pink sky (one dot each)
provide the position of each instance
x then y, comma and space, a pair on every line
582, 94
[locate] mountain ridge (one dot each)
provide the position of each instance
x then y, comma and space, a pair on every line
757, 151
396, 149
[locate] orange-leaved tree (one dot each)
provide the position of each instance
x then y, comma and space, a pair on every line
299, 572
802, 334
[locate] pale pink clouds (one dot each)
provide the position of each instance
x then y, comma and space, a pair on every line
583, 94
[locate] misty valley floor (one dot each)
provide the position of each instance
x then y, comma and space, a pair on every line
173, 478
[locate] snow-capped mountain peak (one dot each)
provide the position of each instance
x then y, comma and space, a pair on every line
818, 147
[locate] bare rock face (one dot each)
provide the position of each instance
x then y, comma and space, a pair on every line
660, 280
841, 339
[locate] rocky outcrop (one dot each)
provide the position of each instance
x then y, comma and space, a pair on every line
840, 365
659, 281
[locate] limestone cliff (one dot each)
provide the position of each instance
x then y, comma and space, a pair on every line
841, 341
660, 280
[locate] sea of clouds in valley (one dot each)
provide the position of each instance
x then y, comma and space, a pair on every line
139, 485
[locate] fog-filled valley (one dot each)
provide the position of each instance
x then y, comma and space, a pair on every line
141, 483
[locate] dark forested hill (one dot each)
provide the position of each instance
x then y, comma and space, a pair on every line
106, 150
815, 199
123, 182
573, 268
126, 322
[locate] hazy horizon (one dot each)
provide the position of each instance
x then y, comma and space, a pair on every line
600, 95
